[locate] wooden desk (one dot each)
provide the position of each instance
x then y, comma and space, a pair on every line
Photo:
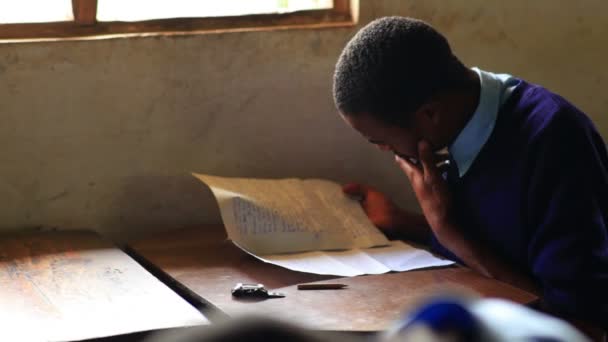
61, 286
205, 262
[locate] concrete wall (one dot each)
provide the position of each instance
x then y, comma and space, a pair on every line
102, 134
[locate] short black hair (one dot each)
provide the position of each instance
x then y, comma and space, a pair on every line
392, 66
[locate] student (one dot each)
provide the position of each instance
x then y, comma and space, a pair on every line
524, 197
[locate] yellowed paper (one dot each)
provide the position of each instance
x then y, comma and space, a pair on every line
291, 215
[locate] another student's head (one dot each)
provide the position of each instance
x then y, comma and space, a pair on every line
392, 83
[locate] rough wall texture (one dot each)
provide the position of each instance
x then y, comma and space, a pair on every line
102, 134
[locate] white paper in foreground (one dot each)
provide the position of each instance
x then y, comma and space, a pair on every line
309, 226
398, 256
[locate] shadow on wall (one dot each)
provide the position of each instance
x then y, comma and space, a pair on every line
149, 203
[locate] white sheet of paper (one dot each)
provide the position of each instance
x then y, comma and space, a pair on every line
398, 256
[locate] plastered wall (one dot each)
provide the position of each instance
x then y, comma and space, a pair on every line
103, 134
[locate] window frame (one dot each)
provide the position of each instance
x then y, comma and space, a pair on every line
86, 26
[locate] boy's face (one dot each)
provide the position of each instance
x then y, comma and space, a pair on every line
399, 140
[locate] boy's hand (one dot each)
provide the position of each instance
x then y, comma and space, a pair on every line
386, 215
436, 202
379, 208
431, 190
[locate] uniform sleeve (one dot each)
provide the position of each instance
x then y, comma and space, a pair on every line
567, 213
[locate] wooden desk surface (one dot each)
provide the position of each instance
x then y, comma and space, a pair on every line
62, 286
205, 262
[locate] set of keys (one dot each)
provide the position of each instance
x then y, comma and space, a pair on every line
254, 291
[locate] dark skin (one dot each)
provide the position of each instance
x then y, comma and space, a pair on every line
432, 127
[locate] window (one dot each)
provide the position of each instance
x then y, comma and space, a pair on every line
35, 11
139, 10
56, 19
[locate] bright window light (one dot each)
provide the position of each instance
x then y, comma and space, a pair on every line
138, 10
35, 11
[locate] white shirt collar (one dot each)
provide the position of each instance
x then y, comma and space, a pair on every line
495, 89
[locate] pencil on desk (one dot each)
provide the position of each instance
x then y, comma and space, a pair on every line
321, 286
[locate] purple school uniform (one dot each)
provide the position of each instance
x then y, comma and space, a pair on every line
537, 195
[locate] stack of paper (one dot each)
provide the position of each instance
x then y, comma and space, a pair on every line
309, 226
